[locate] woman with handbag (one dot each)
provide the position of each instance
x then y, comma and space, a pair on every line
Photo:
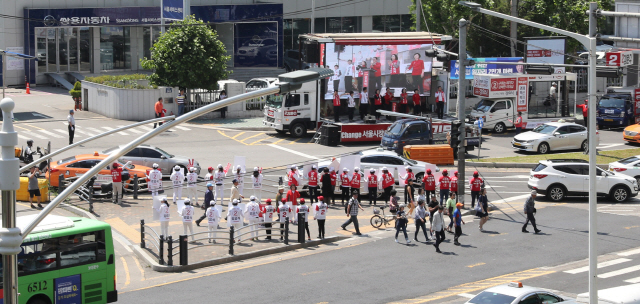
409, 197
482, 208
448, 209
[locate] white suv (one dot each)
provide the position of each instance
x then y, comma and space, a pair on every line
559, 178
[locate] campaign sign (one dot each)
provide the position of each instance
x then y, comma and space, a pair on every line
68, 290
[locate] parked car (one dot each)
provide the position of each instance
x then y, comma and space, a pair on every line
147, 155
553, 136
632, 134
78, 165
516, 293
628, 166
255, 49
559, 178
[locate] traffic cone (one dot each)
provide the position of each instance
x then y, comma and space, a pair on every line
28, 90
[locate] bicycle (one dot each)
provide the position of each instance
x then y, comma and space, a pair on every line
377, 220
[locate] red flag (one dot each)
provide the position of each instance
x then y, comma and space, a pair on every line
226, 169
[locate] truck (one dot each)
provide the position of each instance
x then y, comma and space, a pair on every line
619, 107
504, 95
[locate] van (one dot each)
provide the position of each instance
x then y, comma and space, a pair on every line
628, 294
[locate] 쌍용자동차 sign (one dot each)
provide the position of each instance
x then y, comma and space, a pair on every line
68, 290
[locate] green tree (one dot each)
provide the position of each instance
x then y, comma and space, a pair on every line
188, 55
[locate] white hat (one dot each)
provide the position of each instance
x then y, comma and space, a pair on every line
219, 166
293, 167
314, 167
192, 169
372, 170
534, 192
252, 198
384, 168
155, 166
553, 83
176, 168
235, 201
238, 167
187, 201
407, 168
356, 169
345, 169
256, 169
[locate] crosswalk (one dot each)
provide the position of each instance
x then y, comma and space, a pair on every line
26, 132
624, 267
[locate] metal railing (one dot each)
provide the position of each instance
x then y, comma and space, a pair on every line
197, 98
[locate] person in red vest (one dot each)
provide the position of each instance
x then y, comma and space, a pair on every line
453, 188
313, 184
429, 184
293, 176
475, 183
585, 112
416, 102
372, 183
345, 185
387, 183
334, 181
404, 102
518, 123
355, 181
377, 104
377, 70
388, 97
336, 106
444, 182
292, 196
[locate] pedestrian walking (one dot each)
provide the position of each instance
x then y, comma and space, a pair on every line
284, 212
438, 228
235, 192
187, 219
177, 179
444, 182
71, 126
213, 219
409, 195
458, 222
355, 180
116, 182
327, 187
420, 219
482, 210
304, 209
320, 215
432, 206
429, 184
401, 223
33, 187
364, 103
180, 100
449, 207
387, 183
155, 180
312, 176
372, 184
208, 200
409, 175
345, 185
163, 210
421, 196
530, 210
256, 181
475, 184
218, 178
267, 214
352, 213
159, 111
192, 186
251, 213
234, 218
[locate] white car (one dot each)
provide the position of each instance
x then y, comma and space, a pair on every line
553, 136
515, 293
559, 178
628, 166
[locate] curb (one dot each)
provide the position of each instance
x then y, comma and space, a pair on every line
511, 165
228, 259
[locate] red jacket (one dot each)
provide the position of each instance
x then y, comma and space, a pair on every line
416, 99
313, 178
293, 197
376, 67
377, 100
403, 98
387, 180
585, 108
372, 181
429, 182
388, 97
336, 101
293, 178
116, 175
344, 180
410, 175
445, 182
334, 178
417, 66
518, 123
475, 183
355, 180
454, 184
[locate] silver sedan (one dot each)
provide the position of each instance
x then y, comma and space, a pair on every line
553, 136
147, 155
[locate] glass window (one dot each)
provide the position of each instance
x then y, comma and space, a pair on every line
51, 50
629, 160
532, 299
563, 130
73, 49
150, 153
492, 297
292, 100
146, 42
64, 34
133, 153
539, 168
41, 49
405, 23
370, 160
319, 25
115, 48
85, 49
344, 25
548, 299
287, 25
413, 129
83, 164
386, 23
500, 105
568, 169
577, 129
299, 27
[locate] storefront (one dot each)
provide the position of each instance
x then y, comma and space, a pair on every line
91, 40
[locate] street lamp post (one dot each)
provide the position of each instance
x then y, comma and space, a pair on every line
589, 41
462, 93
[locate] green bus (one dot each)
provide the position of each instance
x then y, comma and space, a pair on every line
66, 260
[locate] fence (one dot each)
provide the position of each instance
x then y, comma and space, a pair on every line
255, 103
87, 191
198, 98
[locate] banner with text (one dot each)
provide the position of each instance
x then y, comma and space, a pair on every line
488, 68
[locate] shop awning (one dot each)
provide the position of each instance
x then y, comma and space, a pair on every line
394, 38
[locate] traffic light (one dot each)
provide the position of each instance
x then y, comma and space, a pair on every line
455, 133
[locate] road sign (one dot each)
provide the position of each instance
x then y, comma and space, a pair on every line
620, 59
480, 122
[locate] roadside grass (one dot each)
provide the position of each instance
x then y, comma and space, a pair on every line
604, 157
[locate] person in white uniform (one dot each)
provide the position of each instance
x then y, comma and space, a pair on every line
251, 213
177, 179
256, 179
192, 186
163, 209
209, 175
267, 215
218, 178
234, 218
284, 211
187, 218
155, 180
213, 217
321, 215
239, 176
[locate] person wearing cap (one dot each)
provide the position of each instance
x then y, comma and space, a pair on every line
163, 210
234, 217
192, 186
235, 192
304, 209
116, 179
251, 213
401, 223
187, 218
267, 215
71, 126
355, 180
312, 176
475, 184
334, 183
457, 222
209, 175
429, 183
529, 210
327, 187
209, 201
218, 179
437, 227
284, 211
155, 180
345, 185
177, 179
453, 187
239, 176
213, 219
406, 178
444, 182
320, 215
372, 185
292, 197
352, 213
293, 176
256, 181
280, 194
387, 183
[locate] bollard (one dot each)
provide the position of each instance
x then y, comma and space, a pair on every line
169, 251
301, 228
135, 186
280, 181
142, 244
231, 230
286, 231
60, 183
161, 251
184, 257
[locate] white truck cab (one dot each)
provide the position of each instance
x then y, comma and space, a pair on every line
497, 113
296, 111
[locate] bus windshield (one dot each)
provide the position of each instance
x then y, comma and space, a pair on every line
274, 101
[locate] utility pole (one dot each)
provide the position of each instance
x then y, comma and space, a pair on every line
462, 88
514, 27
593, 198
161, 16
313, 16
418, 17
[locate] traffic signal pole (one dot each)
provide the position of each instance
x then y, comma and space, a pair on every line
462, 88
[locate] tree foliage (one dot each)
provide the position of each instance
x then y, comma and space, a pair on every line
188, 55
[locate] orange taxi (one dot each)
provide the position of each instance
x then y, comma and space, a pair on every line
632, 133
80, 164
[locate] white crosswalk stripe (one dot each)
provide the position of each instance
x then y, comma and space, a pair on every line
80, 131
67, 132
633, 281
630, 252
132, 130
145, 128
23, 137
110, 128
600, 265
94, 130
182, 128
619, 272
51, 134
33, 134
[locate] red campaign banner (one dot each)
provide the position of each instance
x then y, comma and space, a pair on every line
523, 94
362, 132
226, 169
321, 53
503, 84
480, 92
365, 80
538, 53
394, 107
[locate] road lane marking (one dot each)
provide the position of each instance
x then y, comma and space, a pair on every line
135, 259
252, 136
124, 229
145, 128
110, 128
132, 130
619, 272
34, 127
94, 130
126, 271
630, 252
182, 128
79, 131
21, 127
631, 227
467, 295
234, 137
293, 151
23, 137
54, 135
633, 281
259, 140
609, 146
476, 265
278, 141
294, 141
600, 265
33, 134
511, 199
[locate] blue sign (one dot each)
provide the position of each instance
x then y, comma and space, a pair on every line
68, 290
480, 123
488, 68
173, 9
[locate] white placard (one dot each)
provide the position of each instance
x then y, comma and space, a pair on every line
157, 201
15, 64
349, 162
180, 204
239, 161
335, 165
